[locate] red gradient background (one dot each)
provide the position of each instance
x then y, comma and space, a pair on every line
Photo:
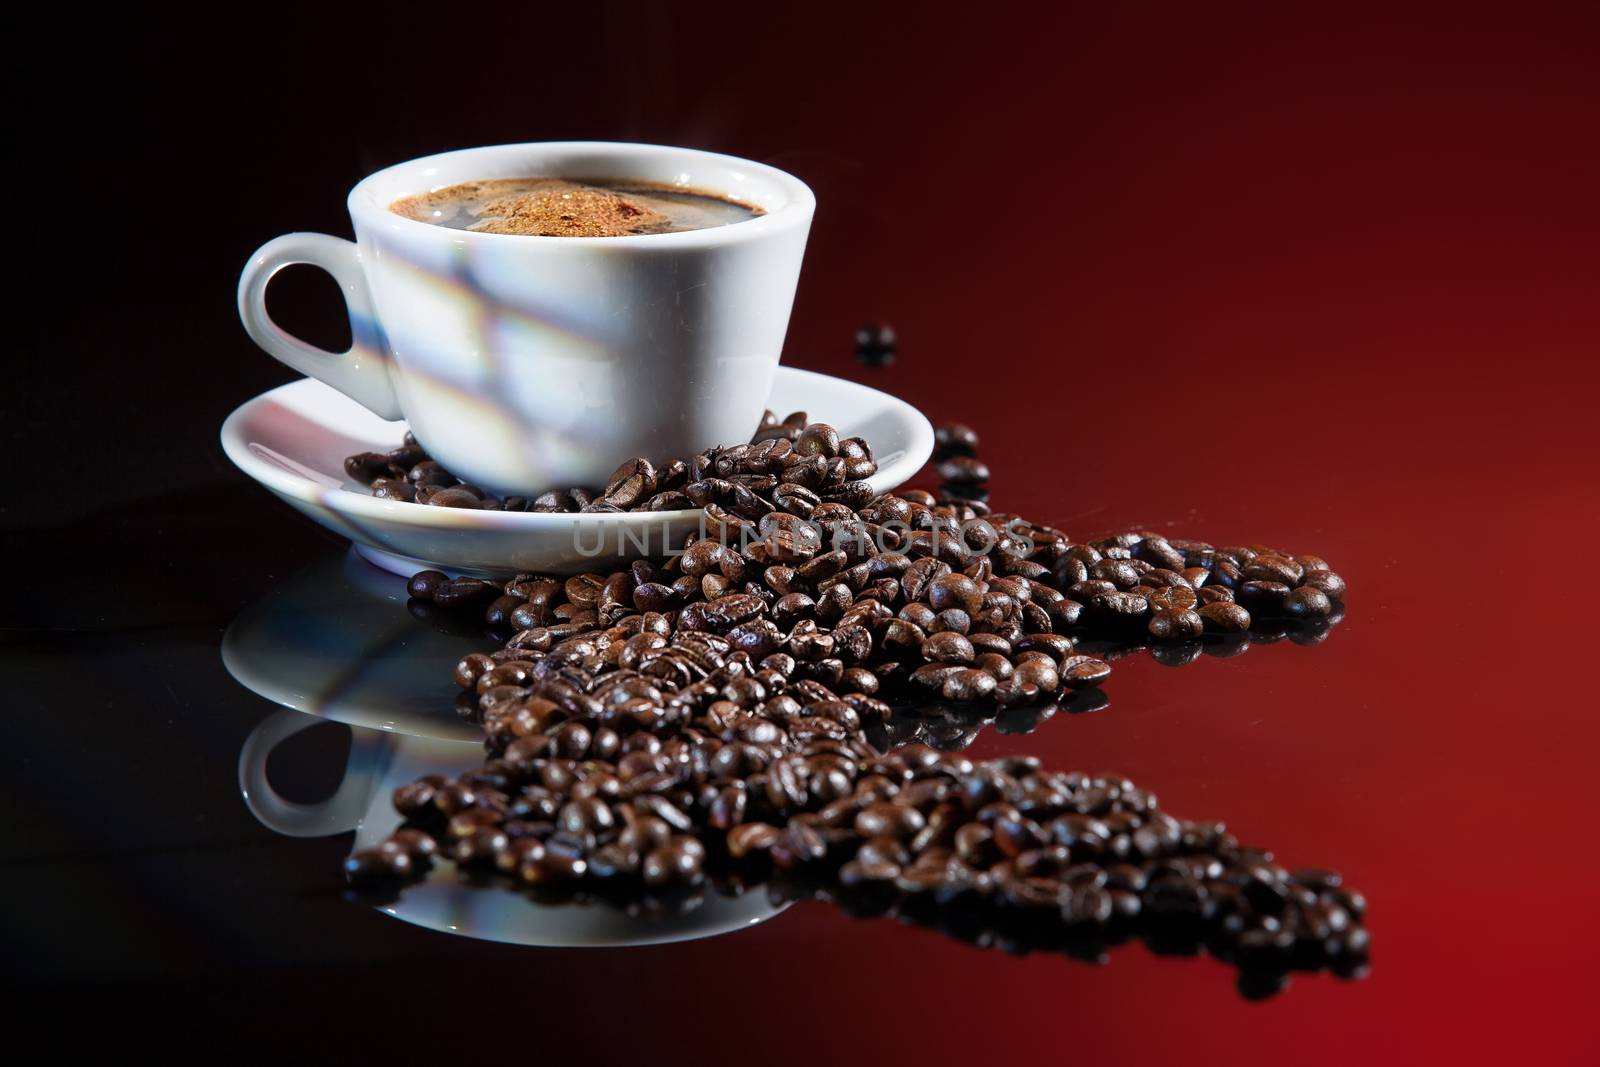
1325, 279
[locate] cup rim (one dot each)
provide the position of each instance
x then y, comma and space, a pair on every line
797, 209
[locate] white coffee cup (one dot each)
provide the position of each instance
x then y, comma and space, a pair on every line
529, 363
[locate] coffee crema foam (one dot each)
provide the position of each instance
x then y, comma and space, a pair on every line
570, 207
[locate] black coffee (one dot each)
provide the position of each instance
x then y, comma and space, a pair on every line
564, 207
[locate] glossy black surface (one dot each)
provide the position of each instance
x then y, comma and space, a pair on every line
1323, 283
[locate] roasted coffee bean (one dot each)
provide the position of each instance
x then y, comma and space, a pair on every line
1225, 617
962, 471
1120, 606
955, 591
875, 344
750, 838
1308, 602
584, 590
818, 439
1055, 646
1080, 672
406, 456
419, 847
367, 467
423, 584
455, 497
1325, 580
679, 862
427, 472
954, 439
1172, 598
970, 685
1176, 625
1273, 568
1261, 594
414, 798
394, 489
948, 647
501, 609
376, 868
459, 592
1039, 672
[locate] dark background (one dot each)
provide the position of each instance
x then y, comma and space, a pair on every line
1325, 279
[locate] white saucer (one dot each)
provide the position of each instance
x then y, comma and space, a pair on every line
335, 641
294, 440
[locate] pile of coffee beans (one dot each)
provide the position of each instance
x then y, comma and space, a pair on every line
1001, 849
907, 623
790, 457
718, 709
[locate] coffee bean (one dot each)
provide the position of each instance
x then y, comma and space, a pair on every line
1176, 625
969, 685
1262, 594
1079, 672
463, 591
1225, 617
1273, 568
418, 847
1115, 606
954, 439
584, 590
394, 489
750, 838
427, 472
366, 467
887, 819
1307, 602
630, 484
963, 471
955, 591
423, 584
455, 497
374, 868
1330, 583
948, 647
1038, 672
818, 439
679, 862
876, 344
501, 609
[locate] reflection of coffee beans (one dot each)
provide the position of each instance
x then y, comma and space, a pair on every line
1056, 860
559, 207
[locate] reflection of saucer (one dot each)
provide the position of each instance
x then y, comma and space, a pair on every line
382, 761
491, 914
294, 440
336, 641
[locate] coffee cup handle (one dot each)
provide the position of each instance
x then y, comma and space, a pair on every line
362, 373
337, 814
